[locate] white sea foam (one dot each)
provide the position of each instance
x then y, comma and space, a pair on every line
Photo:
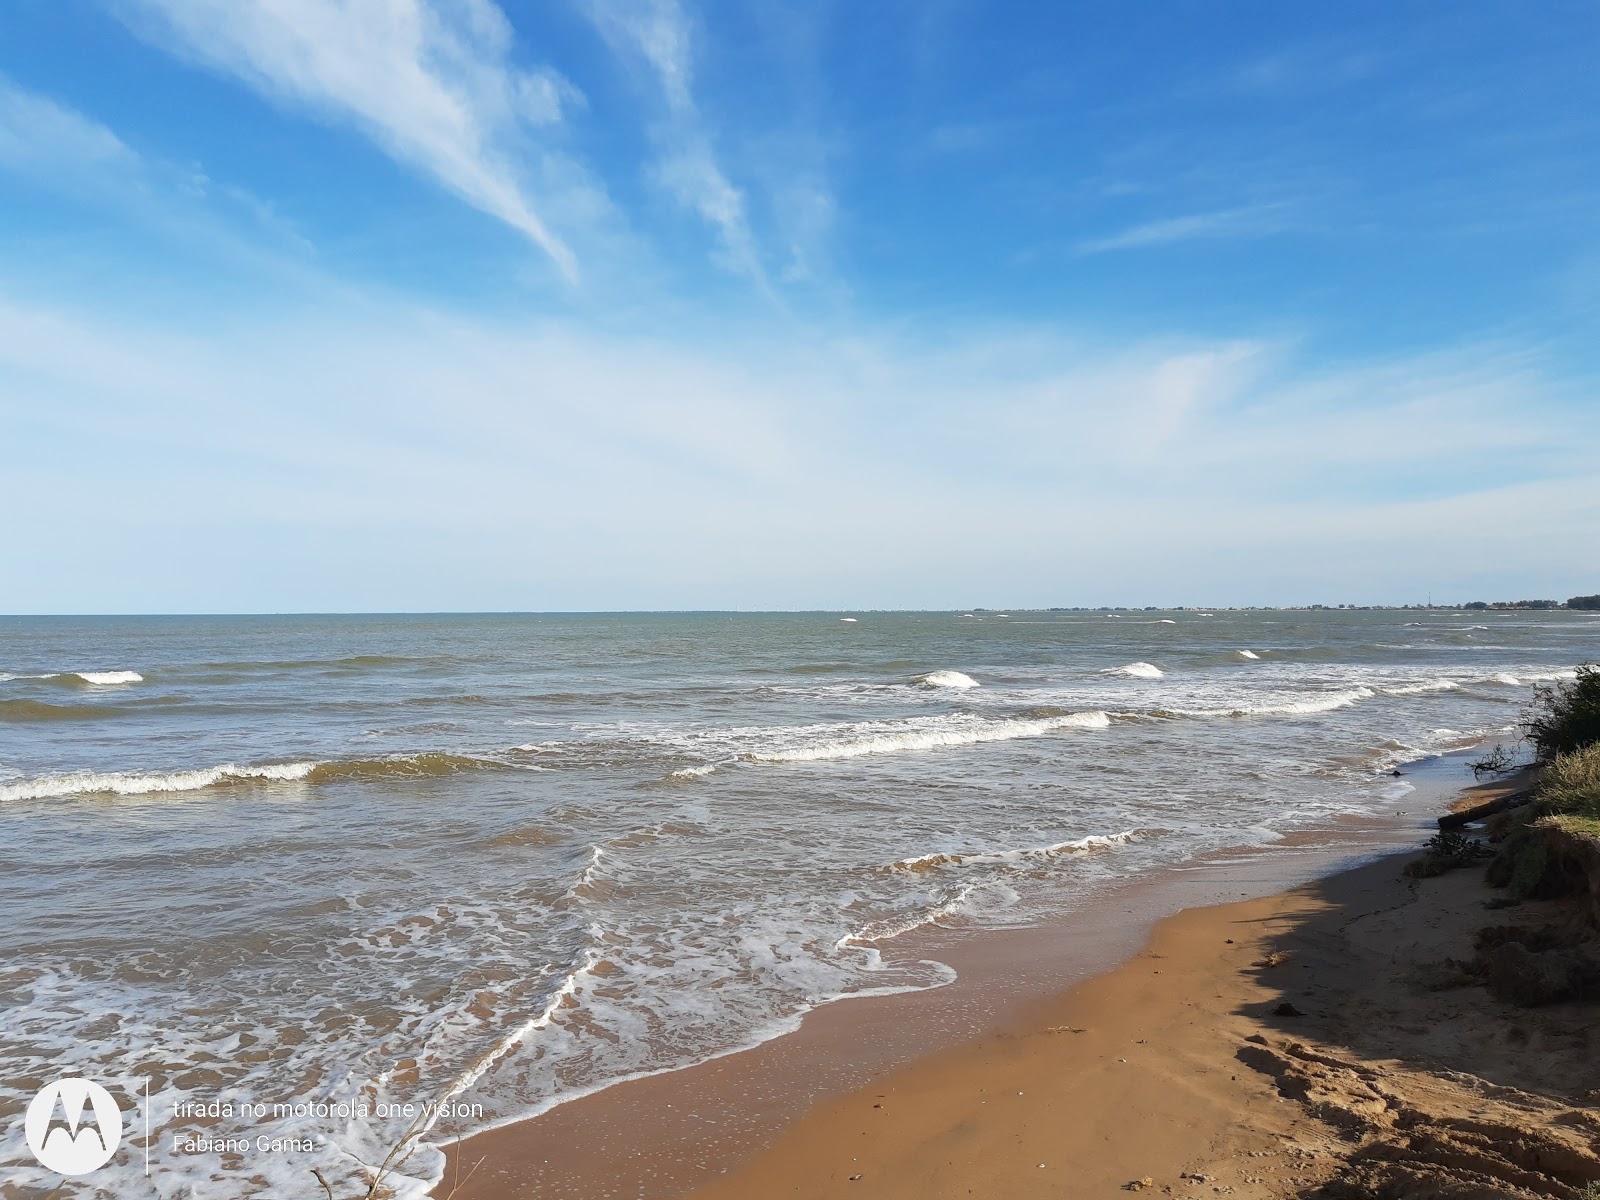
1166, 621
587, 876
1136, 670
947, 679
128, 783
926, 862
848, 620
1286, 707
1247, 654
568, 987
1414, 689
109, 677
893, 927
954, 731
687, 772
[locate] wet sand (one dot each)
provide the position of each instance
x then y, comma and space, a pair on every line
1171, 1065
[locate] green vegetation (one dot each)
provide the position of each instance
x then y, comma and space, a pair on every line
1530, 861
1446, 851
1565, 717
1592, 602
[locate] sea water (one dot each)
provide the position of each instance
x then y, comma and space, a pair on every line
301, 889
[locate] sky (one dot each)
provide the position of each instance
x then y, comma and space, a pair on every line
433, 305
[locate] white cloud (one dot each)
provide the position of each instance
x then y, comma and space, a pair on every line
1260, 220
549, 467
43, 138
431, 83
656, 34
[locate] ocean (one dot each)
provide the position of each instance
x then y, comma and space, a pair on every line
307, 878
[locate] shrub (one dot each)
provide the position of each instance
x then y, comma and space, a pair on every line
1445, 852
1565, 716
1570, 785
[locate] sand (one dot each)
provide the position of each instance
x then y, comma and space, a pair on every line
1393, 1075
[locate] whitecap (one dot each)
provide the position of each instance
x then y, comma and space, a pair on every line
1317, 703
1136, 670
947, 679
956, 731
109, 677
129, 783
693, 772
1247, 654
1414, 689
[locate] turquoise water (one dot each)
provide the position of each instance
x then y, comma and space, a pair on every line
352, 860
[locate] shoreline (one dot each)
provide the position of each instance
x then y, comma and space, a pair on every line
678, 1132
1324, 1041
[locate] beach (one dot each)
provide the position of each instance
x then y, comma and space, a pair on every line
1266, 1047
614, 901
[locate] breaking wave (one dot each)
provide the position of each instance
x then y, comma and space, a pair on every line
964, 731
109, 677
947, 679
79, 678
1136, 670
135, 783
1247, 654
129, 783
1415, 689
1322, 702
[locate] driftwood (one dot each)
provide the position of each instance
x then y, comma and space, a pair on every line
1505, 803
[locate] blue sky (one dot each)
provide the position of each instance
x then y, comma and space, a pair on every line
438, 304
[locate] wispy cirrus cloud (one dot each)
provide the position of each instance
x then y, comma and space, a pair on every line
656, 35
1256, 220
433, 85
43, 138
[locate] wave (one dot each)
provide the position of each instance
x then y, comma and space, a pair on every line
130, 783
687, 773
1136, 670
962, 732
79, 678
947, 679
893, 927
1528, 678
928, 862
38, 710
1247, 654
1416, 689
135, 783
412, 766
1321, 702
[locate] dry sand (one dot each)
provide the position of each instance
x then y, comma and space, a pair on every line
1394, 1076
